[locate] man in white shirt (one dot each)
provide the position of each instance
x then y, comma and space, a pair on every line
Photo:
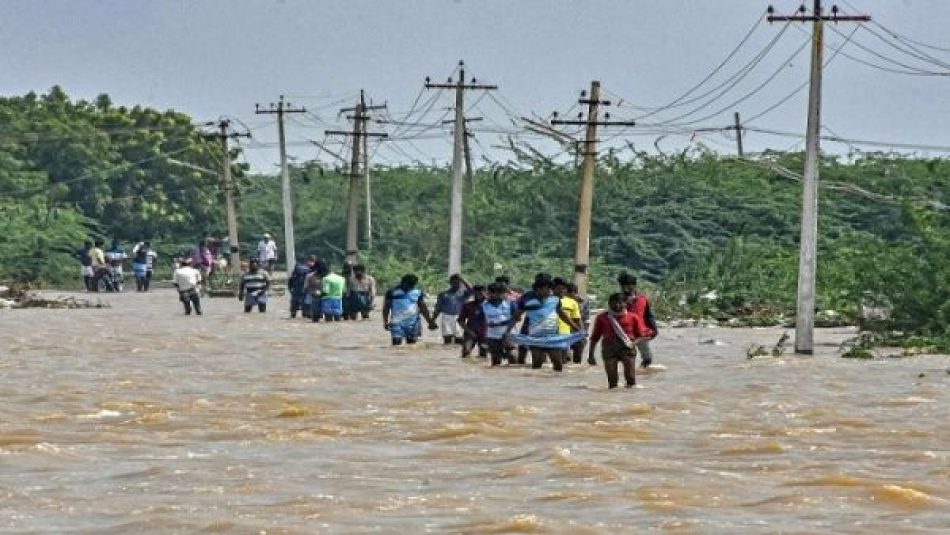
187, 280
267, 253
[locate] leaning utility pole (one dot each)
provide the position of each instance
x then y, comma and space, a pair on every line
458, 150
227, 184
289, 244
808, 252
358, 134
586, 198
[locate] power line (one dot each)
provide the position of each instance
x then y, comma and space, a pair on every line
913, 52
754, 91
912, 70
679, 99
729, 83
804, 84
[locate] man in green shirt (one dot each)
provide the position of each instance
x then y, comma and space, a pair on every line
332, 288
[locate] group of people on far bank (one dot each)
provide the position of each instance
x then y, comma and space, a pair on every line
104, 268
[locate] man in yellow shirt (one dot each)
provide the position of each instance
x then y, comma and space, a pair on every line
571, 309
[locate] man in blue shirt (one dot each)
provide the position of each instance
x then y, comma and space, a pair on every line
402, 308
448, 305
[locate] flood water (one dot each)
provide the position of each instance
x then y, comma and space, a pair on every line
137, 419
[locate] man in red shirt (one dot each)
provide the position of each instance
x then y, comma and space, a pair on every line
621, 330
638, 303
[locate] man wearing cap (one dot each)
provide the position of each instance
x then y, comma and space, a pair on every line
187, 279
267, 253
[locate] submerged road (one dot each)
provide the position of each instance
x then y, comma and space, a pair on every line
137, 419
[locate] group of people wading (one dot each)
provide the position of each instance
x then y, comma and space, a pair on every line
550, 322
554, 322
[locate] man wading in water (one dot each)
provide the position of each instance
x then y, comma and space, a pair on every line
405, 303
254, 285
543, 310
638, 303
448, 305
621, 331
187, 279
361, 290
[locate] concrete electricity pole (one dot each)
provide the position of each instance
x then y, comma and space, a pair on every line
586, 198
368, 193
227, 184
280, 109
467, 150
738, 128
358, 134
458, 150
808, 252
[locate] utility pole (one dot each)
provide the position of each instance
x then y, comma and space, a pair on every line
467, 149
738, 128
357, 136
368, 192
280, 109
227, 184
586, 198
808, 247
469, 172
458, 150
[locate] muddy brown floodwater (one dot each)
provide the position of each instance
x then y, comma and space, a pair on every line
136, 419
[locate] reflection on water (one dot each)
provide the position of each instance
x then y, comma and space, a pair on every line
138, 419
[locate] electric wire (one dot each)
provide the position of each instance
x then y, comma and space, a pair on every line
795, 91
679, 100
912, 70
728, 83
749, 95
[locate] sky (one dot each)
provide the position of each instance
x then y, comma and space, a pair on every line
218, 58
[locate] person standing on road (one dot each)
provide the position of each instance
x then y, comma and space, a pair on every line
187, 280
253, 289
84, 256
140, 268
99, 267
148, 266
267, 253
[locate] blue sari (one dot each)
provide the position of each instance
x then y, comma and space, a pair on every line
404, 313
541, 315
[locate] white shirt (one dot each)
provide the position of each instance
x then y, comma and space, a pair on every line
266, 250
150, 257
187, 278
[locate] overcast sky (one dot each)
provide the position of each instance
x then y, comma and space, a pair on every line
213, 58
